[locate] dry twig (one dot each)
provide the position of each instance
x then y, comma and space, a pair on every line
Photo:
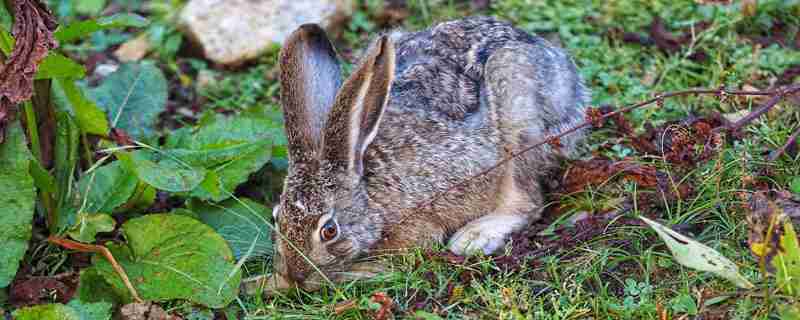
776, 95
83, 247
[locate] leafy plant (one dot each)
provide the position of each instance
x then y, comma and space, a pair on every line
74, 310
133, 96
173, 257
17, 197
170, 256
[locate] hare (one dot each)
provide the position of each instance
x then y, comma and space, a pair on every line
420, 113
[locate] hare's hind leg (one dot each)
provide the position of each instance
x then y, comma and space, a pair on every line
518, 205
533, 90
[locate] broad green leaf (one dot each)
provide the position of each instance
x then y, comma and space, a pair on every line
5, 18
165, 174
66, 158
92, 287
787, 261
230, 166
244, 224
17, 197
696, 255
231, 147
234, 173
794, 186
84, 28
87, 225
89, 7
133, 96
225, 130
42, 178
107, 188
789, 311
56, 65
6, 42
54, 311
174, 257
74, 310
143, 197
70, 97
91, 311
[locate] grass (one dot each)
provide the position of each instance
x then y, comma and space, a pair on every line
601, 279
624, 273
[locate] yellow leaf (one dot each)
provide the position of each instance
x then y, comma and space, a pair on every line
787, 261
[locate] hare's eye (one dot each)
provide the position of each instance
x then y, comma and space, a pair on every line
328, 231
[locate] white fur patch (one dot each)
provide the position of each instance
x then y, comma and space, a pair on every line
275, 210
487, 234
299, 205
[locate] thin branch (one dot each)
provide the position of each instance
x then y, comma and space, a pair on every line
83, 247
777, 95
792, 140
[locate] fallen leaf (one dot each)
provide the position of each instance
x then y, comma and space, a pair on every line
597, 171
696, 255
134, 49
749, 8
37, 290
386, 304
144, 311
344, 306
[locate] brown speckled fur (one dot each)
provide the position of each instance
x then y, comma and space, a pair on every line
462, 95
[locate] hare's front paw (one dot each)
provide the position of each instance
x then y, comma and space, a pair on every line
487, 234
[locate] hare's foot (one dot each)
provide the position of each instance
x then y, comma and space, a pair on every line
487, 234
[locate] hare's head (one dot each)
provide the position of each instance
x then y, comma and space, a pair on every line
323, 217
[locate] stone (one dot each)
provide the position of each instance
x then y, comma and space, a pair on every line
231, 32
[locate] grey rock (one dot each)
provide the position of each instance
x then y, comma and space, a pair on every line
231, 32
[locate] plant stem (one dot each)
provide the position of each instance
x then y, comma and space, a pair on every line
36, 149
33, 130
87, 151
84, 247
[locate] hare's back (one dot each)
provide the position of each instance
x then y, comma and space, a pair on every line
440, 69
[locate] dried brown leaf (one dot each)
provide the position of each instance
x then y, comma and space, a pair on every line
597, 171
38, 290
385, 311
670, 43
763, 212
145, 311
33, 30
595, 116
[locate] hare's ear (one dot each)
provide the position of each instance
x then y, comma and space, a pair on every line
310, 77
358, 108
